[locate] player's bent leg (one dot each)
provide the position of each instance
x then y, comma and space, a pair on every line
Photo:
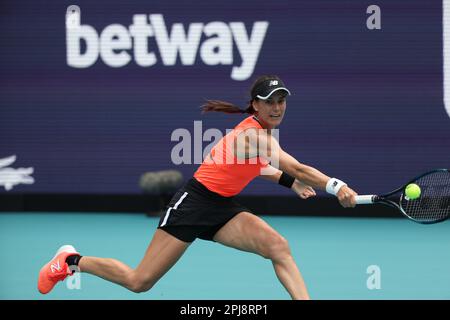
162, 253
250, 233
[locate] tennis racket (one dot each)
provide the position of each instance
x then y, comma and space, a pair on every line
432, 206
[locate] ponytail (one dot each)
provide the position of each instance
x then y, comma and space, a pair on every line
226, 107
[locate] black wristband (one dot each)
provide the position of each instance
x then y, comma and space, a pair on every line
286, 180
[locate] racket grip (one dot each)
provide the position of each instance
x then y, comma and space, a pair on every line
365, 199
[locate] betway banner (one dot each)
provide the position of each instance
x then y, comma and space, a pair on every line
95, 93
115, 41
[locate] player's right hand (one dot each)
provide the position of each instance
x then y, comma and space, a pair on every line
346, 197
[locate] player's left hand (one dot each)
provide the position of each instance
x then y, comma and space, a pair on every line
304, 191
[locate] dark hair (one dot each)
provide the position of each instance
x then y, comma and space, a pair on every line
227, 107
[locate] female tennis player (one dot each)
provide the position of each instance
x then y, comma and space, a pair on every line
205, 207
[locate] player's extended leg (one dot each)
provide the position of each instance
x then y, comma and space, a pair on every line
162, 253
250, 233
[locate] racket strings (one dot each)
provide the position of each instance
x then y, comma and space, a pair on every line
434, 201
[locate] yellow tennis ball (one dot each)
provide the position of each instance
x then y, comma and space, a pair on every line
412, 191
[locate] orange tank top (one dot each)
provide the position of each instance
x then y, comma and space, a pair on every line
222, 172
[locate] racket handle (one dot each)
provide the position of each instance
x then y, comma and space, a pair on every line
365, 199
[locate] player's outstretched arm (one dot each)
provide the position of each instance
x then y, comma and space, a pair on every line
302, 190
313, 177
263, 144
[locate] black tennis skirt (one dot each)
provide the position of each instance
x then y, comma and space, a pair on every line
196, 212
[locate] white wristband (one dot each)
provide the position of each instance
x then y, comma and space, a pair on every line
334, 185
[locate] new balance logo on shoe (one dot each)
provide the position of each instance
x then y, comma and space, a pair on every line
55, 266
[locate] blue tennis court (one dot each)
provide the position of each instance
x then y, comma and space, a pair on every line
337, 257
109, 109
